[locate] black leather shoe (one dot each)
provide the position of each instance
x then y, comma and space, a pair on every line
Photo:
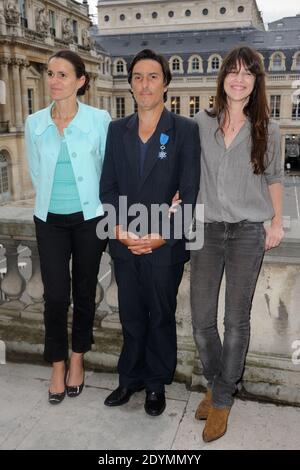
119, 397
155, 403
74, 390
56, 398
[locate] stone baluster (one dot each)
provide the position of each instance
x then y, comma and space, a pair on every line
112, 321
183, 311
13, 283
186, 361
99, 295
34, 287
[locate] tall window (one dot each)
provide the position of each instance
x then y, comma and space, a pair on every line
4, 183
22, 6
277, 62
211, 101
52, 22
275, 106
298, 62
176, 65
120, 107
195, 64
296, 110
120, 66
194, 105
75, 30
30, 100
175, 104
215, 63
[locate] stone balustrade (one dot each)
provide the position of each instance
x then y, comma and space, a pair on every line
273, 362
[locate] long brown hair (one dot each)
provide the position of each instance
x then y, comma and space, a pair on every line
257, 109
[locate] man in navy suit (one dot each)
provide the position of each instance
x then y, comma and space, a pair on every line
149, 156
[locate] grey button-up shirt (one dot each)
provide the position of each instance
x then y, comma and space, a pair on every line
229, 189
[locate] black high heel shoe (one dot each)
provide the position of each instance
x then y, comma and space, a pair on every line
75, 390
56, 398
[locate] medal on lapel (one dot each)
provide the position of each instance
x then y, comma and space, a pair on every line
162, 151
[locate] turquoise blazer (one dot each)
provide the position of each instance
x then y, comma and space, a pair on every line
86, 139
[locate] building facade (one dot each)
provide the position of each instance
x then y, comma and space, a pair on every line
193, 35
30, 32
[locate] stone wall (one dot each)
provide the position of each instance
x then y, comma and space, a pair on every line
273, 362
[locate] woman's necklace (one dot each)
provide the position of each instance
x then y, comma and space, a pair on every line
233, 127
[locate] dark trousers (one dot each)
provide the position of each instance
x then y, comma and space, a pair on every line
147, 304
239, 249
60, 238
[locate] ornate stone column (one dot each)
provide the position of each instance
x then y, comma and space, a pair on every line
24, 65
4, 62
94, 90
17, 93
46, 97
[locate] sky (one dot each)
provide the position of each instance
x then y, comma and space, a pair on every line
271, 9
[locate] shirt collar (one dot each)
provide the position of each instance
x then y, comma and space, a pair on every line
80, 120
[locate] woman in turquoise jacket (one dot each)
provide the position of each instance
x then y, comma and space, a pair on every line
65, 149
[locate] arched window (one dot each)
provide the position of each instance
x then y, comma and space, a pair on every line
215, 63
4, 178
296, 61
195, 64
120, 66
107, 66
277, 61
176, 65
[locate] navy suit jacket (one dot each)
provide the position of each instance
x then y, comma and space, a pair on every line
162, 177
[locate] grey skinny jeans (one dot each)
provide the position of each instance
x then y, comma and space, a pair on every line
237, 248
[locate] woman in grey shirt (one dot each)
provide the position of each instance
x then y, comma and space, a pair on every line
240, 188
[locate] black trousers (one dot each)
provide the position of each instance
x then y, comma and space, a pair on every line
147, 304
58, 239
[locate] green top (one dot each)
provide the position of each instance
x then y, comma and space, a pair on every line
64, 195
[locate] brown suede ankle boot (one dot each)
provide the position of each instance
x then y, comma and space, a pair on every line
216, 424
204, 406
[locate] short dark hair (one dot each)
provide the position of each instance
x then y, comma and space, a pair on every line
148, 54
78, 65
